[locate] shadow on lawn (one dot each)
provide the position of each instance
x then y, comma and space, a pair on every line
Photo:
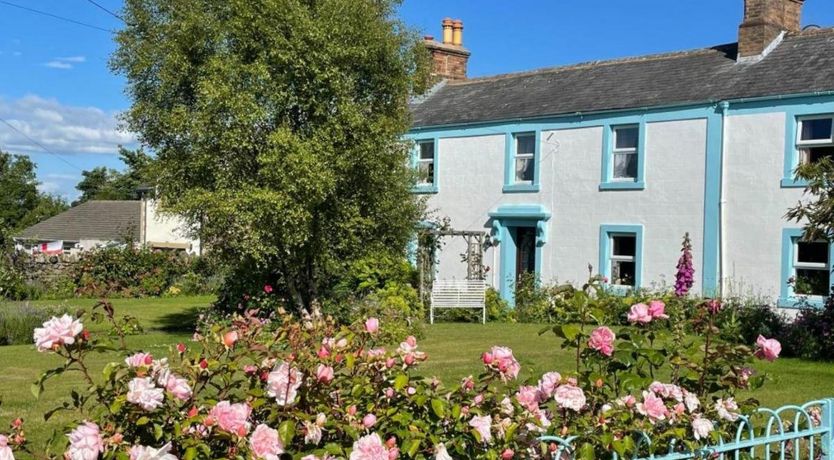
181, 321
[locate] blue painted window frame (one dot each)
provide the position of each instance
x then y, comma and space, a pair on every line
510, 186
415, 156
787, 298
607, 181
794, 117
606, 231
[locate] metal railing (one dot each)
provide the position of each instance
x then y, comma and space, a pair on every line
797, 432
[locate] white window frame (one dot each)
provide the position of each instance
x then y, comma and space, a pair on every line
797, 265
807, 144
627, 151
523, 156
619, 258
420, 161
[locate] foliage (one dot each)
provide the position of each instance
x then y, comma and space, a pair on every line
811, 335
278, 126
816, 209
256, 387
101, 183
21, 204
127, 272
18, 321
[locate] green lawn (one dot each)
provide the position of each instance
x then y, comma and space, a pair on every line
454, 352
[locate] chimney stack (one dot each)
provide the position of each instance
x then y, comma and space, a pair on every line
449, 57
764, 22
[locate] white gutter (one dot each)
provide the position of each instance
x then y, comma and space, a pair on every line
722, 201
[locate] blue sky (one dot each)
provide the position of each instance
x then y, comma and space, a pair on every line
55, 85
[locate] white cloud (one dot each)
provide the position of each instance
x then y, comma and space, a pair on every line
62, 185
58, 65
65, 63
61, 128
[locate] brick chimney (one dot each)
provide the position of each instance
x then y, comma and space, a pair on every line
449, 57
764, 22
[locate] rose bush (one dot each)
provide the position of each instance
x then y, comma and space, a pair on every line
268, 386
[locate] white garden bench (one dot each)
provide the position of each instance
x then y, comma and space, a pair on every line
458, 294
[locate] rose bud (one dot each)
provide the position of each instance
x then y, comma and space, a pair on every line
203, 363
229, 339
181, 347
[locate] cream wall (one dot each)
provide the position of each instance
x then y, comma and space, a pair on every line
160, 227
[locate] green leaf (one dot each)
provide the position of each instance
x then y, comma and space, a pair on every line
142, 421
36, 390
190, 454
157, 431
400, 382
439, 407
286, 431
586, 452
571, 331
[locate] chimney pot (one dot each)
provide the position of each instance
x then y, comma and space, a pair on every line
457, 36
447, 31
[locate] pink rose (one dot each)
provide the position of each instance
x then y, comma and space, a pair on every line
639, 313
504, 362
5, 451
265, 443
409, 346
232, 418
139, 360
371, 325
369, 421
548, 384
701, 428
57, 332
324, 374
570, 396
528, 397
143, 392
230, 338
657, 309
652, 407
507, 454
727, 409
602, 340
149, 453
768, 349
369, 447
283, 383
85, 442
483, 425
178, 387
267, 288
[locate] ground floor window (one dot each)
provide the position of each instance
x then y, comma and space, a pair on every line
621, 255
806, 269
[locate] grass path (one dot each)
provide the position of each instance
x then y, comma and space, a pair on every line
454, 352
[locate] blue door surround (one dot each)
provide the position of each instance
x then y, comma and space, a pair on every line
504, 219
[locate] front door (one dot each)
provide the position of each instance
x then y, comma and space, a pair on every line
525, 255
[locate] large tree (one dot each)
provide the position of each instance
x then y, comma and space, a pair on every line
21, 203
278, 124
101, 183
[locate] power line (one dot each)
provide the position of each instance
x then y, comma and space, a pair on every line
38, 144
54, 16
106, 10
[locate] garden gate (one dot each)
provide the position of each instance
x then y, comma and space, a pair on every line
798, 432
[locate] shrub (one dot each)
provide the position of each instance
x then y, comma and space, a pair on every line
18, 321
258, 387
811, 335
127, 272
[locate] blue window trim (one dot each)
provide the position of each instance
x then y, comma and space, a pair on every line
789, 179
605, 232
787, 299
516, 215
607, 181
509, 163
426, 188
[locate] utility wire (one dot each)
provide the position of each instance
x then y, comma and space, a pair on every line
106, 10
39, 144
54, 16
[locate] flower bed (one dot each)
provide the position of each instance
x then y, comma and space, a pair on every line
313, 389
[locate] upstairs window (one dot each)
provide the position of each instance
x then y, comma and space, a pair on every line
815, 139
625, 153
426, 175
525, 158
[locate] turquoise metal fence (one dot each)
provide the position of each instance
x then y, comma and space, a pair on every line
796, 432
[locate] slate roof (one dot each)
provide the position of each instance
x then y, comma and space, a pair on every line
801, 63
91, 220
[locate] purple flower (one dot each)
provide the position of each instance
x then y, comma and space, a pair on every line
685, 276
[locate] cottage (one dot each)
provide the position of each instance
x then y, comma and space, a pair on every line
98, 223
611, 163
